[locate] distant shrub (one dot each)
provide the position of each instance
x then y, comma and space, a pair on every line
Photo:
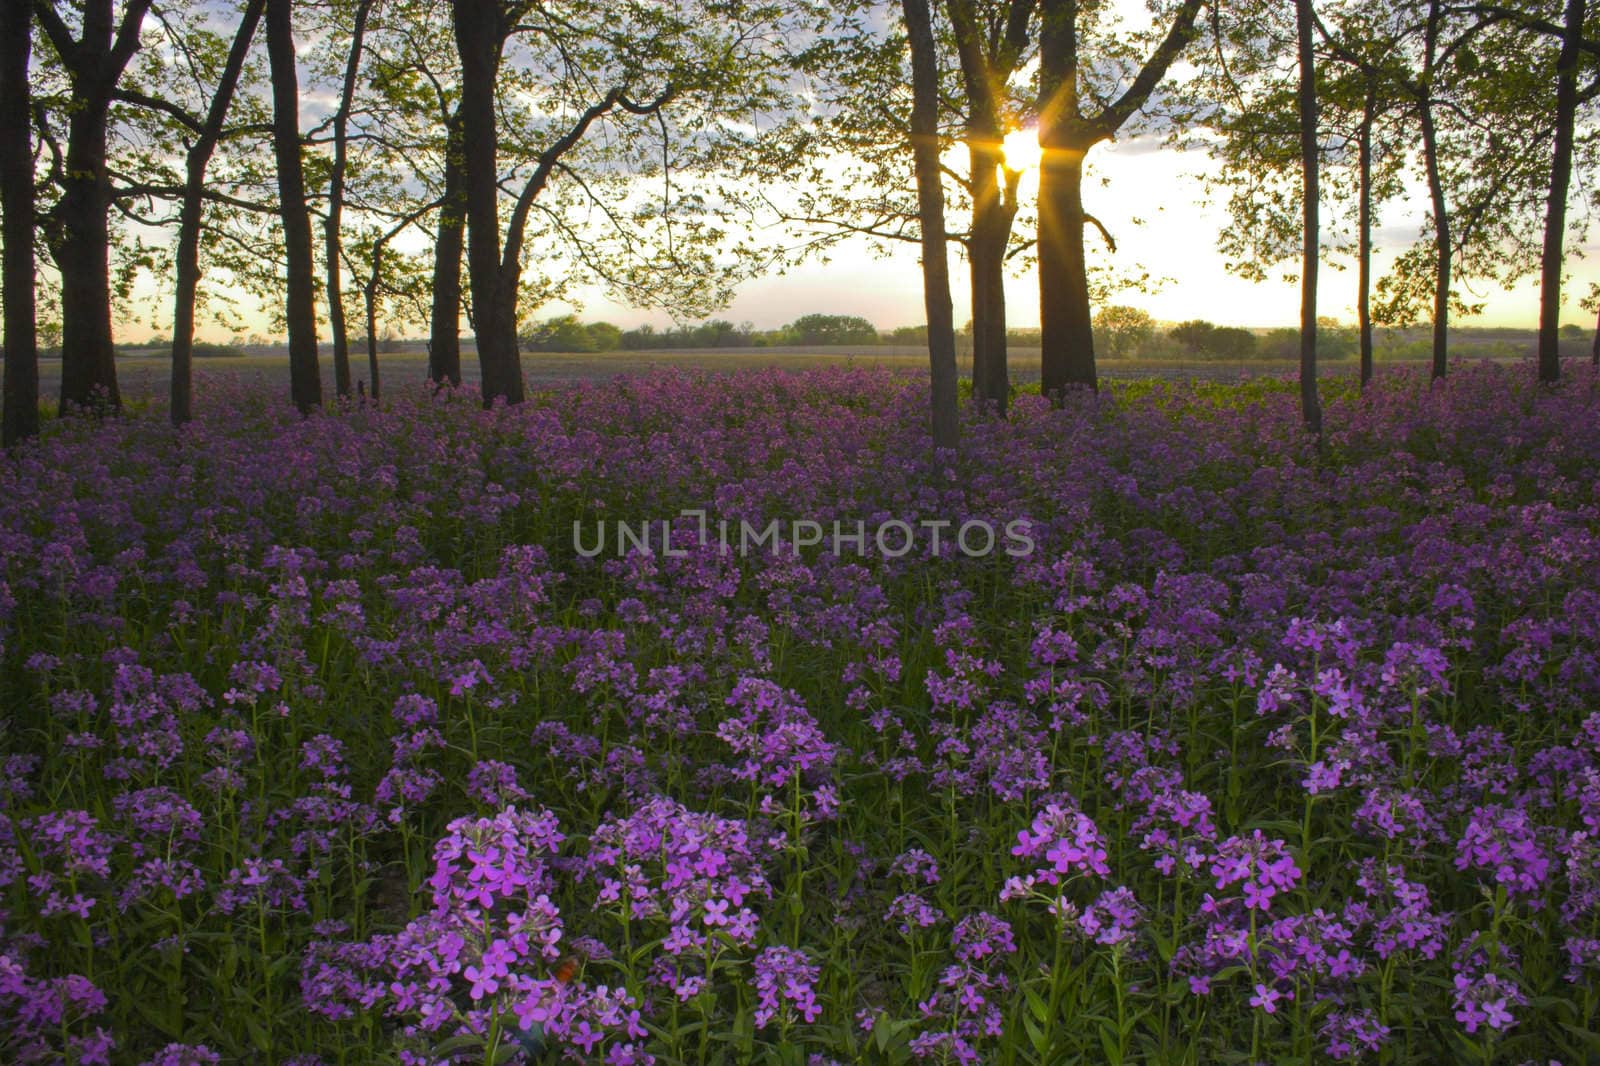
1282, 343
207, 350
1124, 330
832, 329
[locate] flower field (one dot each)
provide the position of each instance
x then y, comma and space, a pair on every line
323, 743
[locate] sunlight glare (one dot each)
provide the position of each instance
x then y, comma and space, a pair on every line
1022, 149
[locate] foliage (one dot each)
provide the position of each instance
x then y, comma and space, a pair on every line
1126, 330
832, 329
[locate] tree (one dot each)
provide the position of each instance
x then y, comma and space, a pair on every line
1230, 342
1126, 330
21, 413
1254, 104
845, 150
1194, 335
481, 28
336, 192
383, 279
1479, 128
605, 336
930, 210
305, 379
1075, 114
1555, 226
564, 333
692, 72
820, 329
1310, 199
186, 272
78, 223
991, 44
413, 113
444, 337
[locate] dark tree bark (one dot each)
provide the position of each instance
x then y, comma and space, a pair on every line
21, 341
1066, 135
444, 341
1310, 237
187, 266
480, 32
331, 227
1364, 234
305, 378
1555, 219
82, 249
986, 252
930, 211
1066, 331
370, 295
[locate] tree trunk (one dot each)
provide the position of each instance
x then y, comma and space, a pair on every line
305, 377
1555, 218
1364, 237
88, 360
1066, 332
1441, 206
986, 252
987, 61
1065, 324
331, 234
1310, 237
930, 214
1441, 246
187, 266
444, 342
480, 34
21, 411
371, 297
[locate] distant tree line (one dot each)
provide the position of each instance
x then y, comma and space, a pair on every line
566, 333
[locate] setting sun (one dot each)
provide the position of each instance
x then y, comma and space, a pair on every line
1022, 149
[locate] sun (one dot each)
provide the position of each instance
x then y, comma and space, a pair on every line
1022, 149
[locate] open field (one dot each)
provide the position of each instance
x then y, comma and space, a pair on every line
369, 738
141, 373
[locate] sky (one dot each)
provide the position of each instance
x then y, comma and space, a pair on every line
1177, 241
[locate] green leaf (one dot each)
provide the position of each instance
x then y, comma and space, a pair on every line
258, 1034
1036, 1035
1108, 1044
